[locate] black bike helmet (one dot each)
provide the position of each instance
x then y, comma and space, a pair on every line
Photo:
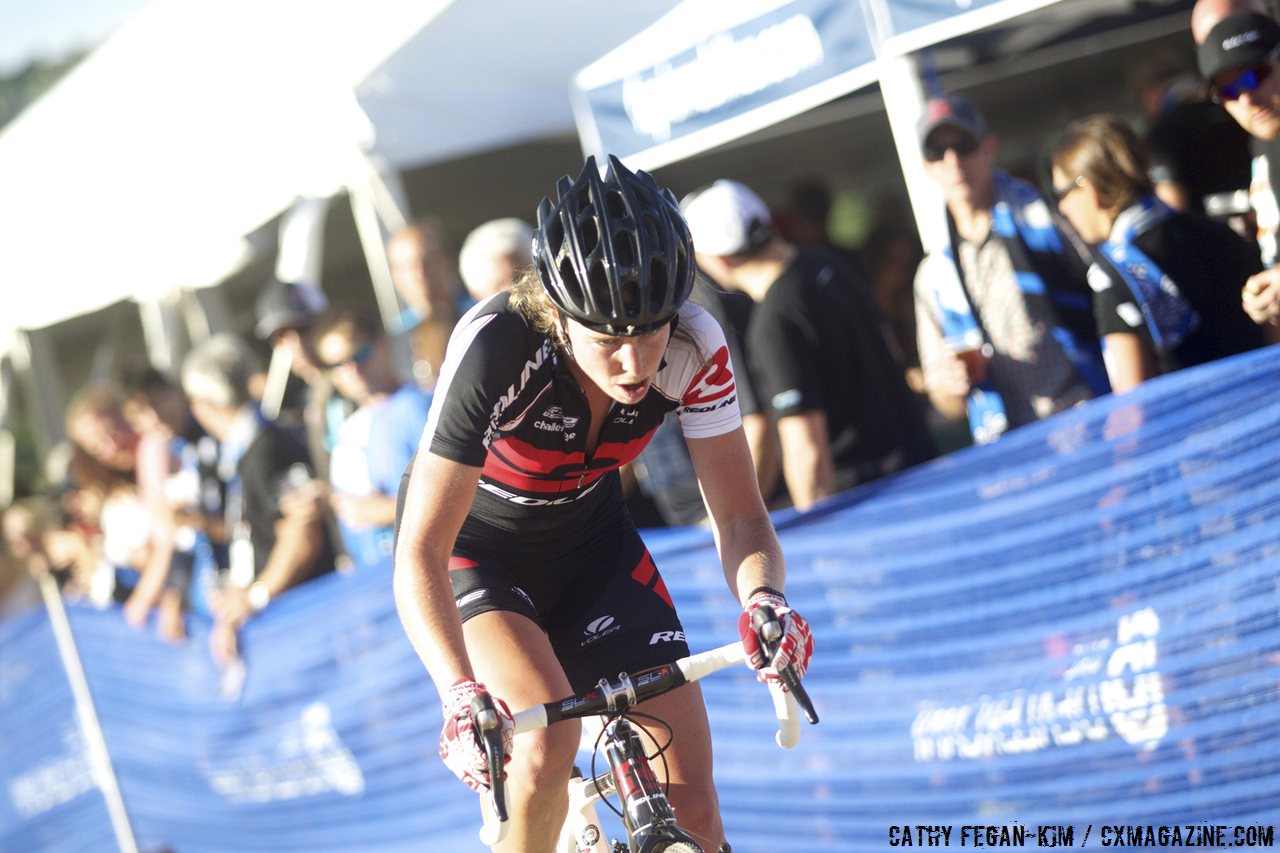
614, 253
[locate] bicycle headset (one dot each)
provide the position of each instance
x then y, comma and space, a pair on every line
614, 253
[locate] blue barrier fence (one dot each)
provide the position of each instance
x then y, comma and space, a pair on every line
1078, 626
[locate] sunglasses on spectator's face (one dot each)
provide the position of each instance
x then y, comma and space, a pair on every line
963, 146
1247, 80
1060, 193
358, 357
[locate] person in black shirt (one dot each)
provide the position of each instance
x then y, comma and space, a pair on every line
1170, 295
818, 350
1238, 51
259, 462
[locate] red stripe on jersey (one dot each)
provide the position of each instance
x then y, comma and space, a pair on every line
661, 589
456, 563
644, 570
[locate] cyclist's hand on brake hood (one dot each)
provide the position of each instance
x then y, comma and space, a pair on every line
460, 745
795, 646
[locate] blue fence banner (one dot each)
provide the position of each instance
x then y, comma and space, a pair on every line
1071, 633
720, 81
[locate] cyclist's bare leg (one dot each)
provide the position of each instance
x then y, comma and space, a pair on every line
513, 659
688, 762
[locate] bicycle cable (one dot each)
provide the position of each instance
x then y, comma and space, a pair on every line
660, 753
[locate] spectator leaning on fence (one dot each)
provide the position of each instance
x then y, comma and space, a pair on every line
1166, 284
258, 462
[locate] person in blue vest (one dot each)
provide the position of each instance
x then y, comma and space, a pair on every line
1004, 320
1167, 284
377, 441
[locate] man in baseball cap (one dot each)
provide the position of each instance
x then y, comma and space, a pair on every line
953, 111
1238, 48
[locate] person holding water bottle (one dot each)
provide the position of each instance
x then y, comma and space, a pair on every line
1003, 314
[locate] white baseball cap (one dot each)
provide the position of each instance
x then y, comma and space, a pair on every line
726, 218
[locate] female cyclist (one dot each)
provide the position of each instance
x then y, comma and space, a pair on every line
518, 570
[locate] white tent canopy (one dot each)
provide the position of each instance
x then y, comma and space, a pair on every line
201, 121
193, 126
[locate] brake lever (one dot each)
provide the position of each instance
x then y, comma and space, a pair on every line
489, 729
764, 621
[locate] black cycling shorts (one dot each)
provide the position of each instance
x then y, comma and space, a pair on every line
594, 590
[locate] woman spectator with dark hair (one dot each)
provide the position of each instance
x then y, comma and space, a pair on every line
1166, 284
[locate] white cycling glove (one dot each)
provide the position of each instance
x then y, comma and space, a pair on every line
795, 647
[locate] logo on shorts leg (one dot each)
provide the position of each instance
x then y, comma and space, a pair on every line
667, 637
600, 627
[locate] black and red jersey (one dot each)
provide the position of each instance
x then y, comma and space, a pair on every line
507, 403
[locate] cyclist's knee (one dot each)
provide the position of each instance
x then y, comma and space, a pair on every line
546, 756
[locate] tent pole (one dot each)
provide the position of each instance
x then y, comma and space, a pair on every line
904, 100
375, 255
90, 726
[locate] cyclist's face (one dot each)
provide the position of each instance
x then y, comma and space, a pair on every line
622, 367
1256, 109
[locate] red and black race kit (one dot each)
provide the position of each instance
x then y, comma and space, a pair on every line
548, 534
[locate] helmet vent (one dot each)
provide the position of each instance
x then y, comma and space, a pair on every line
590, 236
658, 282
651, 230
615, 204
555, 236
630, 290
599, 282
624, 253
682, 267
572, 287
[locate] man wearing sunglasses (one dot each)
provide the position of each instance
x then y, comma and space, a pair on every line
1003, 324
1238, 48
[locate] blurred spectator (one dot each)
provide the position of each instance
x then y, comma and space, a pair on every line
104, 474
1172, 299
1239, 45
425, 276
804, 217
1003, 320
297, 393
492, 254
817, 348
258, 461
1197, 151
158, 411
18, 590
378, 440
34, 536
890, 257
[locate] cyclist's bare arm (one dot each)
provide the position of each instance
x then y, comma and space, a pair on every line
437, 501
748, 545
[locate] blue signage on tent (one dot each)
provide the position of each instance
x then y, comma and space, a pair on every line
754, 73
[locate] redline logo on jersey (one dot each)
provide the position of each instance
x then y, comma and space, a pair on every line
713, 382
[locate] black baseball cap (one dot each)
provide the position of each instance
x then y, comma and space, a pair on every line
286, 305
956, 111
1237, 41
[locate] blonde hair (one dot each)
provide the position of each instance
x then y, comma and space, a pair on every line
529, 298
1106, 152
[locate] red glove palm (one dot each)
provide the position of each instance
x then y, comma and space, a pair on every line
795, 647
460, 744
